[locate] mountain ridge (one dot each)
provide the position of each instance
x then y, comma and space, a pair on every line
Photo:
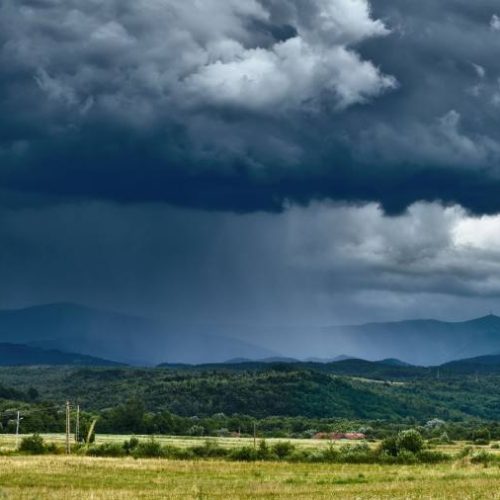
24, 355
125, 338
138, 340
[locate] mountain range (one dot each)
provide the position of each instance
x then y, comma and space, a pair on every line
135, 340
119, 337
418, 342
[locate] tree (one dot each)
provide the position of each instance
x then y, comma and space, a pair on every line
410, 440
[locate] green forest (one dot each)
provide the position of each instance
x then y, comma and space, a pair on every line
285, 399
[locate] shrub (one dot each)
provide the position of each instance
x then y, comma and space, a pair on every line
283, 449
33, 444
263, 450
196, 430
410, 440
432, 457
444, 438
464, 452
245, 453
148, 449
300, 456
209, 449
406, 457
481, 436
358, 454
130, 445
389, 446
482, 457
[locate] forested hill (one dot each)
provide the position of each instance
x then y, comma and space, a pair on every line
379, 370
273, 390
390, 369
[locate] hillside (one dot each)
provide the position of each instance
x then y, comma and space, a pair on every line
480, 364
272, 390
377, 370
17, 355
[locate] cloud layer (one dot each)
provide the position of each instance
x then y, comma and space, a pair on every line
306, 266
243, 105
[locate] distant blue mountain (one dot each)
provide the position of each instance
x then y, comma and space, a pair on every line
479, 364
127, 339
18, 355
418, 342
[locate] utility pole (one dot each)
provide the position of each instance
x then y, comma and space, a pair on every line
254, 435
77, 424
68, 428
18, 421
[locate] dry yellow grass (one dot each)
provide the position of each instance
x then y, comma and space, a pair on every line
60, 477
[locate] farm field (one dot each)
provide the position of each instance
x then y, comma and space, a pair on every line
57, 477
8, 442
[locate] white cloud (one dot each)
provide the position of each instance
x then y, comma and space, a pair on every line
495, 22
289, 75
154, 57
429, 249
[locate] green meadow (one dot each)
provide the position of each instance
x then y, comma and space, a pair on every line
84, 477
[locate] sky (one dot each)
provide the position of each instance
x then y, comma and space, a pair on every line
257, 163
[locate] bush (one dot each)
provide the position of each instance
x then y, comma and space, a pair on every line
481, 436
328, 455
432, 457
130, 445
33, 444
410, 440
283, 449
357, 454
444, 438
196, 430
245, 453
208, 450
406, 457
464, 452
389, 446
148, 449
264, 450
482, 457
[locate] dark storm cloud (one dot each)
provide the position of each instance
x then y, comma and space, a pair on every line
242, 105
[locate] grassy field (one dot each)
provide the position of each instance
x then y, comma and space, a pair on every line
8, 442
79, 477
60, 477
